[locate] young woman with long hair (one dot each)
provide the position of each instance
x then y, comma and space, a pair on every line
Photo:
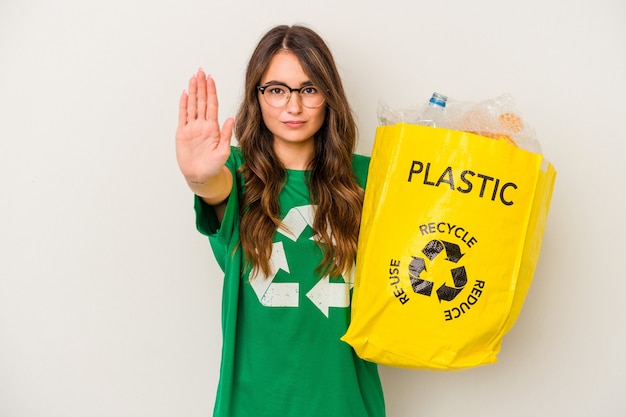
282, 212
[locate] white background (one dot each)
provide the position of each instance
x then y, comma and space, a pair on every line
109, 298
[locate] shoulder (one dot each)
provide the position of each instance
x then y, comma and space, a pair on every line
234, 162
236, 159
360, 166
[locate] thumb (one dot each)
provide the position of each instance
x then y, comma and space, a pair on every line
227, 132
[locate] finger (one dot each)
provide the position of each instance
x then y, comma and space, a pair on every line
212, 104
192, 98
182, 110
226, 133
202, 94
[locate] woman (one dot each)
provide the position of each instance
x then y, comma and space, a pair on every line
282, 212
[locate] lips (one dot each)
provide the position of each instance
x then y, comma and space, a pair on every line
294, 123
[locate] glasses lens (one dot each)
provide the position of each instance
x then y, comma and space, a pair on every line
311, 97
276, 95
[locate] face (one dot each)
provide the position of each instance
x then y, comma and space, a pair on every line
292, 125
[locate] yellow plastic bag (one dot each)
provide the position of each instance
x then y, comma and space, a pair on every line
450, 237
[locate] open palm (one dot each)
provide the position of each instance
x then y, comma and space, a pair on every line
202, 148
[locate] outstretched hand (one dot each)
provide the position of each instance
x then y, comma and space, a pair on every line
202, 148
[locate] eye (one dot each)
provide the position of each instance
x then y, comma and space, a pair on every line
277, 90
310, 90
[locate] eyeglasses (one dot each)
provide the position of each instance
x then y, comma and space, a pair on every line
278, 95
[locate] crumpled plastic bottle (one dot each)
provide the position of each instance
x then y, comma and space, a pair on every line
434, 115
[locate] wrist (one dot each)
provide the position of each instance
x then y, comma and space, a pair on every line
213, 190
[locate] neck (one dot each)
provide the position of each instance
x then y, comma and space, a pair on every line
296, 156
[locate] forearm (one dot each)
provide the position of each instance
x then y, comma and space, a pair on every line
214, 190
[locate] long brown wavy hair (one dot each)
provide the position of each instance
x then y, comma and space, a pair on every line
332, 184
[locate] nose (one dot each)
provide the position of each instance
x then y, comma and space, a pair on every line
294, 104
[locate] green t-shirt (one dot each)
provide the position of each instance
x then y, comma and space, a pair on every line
281, 353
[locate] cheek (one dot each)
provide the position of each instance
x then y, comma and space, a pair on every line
269, 115
320, 116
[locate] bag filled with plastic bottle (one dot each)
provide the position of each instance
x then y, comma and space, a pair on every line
451, 234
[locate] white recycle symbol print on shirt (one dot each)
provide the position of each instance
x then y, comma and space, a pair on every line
324, 294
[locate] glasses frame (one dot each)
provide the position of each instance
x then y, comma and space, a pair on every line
262, 88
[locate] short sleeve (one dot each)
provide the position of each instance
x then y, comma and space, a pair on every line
222, 235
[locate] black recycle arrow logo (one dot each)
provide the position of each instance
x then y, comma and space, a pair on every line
431, 251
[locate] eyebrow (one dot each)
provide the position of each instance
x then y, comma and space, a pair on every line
271, 82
